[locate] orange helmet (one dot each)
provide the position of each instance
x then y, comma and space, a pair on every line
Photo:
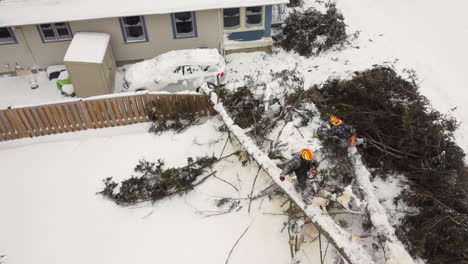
334, 120
307, 154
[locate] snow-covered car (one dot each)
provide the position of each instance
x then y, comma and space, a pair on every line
176, 70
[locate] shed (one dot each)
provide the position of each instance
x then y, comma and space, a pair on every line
90, 64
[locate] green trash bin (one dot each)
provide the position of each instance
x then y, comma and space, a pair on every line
60, 83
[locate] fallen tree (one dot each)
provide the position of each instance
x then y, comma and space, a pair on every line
407, 136
342, 240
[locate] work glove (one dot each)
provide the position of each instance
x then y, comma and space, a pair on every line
281, 178
314, 172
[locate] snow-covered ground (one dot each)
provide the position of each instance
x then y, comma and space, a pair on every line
52, 214
50, 210
16, 90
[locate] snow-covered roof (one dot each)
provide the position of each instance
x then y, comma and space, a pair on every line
87, 47
29, 12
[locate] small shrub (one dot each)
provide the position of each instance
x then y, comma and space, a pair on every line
311, 32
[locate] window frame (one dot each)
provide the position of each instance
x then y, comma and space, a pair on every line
12, 34
54, 29
194, 24
124, 33
243, 21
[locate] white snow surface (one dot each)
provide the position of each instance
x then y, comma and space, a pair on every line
87, 47
28, 12
16, 90
52, 214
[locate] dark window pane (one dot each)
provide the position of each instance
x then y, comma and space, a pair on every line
231, 22
183, 16
131, 21
49, 34
231, 12
134, 33
63, 33
254, 20
253, 9
60, 25
184, 27
5, 35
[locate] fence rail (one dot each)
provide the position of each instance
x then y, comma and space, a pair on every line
94, 113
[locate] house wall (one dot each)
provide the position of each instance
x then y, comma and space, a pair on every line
160, 40
12, 54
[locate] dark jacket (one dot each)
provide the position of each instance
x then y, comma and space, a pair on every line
300, 166
342, 131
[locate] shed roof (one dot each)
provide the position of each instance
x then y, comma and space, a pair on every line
29, 12
87, 47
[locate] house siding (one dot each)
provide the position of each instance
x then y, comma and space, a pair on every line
12, 54
159, 30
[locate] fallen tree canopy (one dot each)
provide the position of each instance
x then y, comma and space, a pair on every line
311, 32
406, 135
153, 182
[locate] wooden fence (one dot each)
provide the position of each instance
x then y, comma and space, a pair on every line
94, 113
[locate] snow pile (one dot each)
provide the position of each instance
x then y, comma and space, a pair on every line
88, 47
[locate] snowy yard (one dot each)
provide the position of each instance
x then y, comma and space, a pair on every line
51, 212
70, 223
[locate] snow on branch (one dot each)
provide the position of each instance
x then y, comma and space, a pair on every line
342, 240
395, 251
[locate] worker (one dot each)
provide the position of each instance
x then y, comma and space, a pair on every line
302, 164
342, 131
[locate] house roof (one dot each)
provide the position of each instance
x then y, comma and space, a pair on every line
29, 12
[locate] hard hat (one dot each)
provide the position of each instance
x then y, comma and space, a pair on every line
334, 120
307, 154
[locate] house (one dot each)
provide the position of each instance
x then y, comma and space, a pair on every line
36, 33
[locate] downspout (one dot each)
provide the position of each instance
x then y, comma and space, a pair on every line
35, 65
221, 32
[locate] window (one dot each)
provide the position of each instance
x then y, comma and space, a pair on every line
133, 29
55, 32
7, 36
253, 16
184, 25
243, 19
231, 18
